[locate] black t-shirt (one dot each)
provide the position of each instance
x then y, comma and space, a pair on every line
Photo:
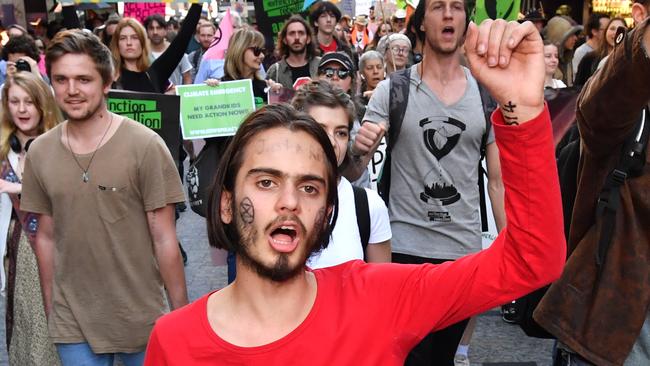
300, 71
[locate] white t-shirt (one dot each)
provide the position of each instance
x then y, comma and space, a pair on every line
345, 243
556, 84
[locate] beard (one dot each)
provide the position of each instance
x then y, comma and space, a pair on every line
281, 269
296, 51
156, 40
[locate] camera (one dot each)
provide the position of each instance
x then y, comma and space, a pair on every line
22, 65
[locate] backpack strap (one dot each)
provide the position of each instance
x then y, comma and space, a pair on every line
489, 105
630, 165
363, 215
195, 58
398, 96
397, 100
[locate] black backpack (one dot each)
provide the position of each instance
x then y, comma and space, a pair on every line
630, 165
363, 215
398, 100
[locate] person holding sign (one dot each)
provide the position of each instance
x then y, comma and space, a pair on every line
244, 61
105, 189
275, 203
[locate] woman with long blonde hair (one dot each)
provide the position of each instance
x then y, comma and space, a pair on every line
244, 61
28, 110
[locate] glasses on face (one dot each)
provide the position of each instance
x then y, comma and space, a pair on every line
330, 72
256, 50
400, 50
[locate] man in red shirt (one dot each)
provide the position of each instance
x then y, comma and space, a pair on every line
324, 18
275, 204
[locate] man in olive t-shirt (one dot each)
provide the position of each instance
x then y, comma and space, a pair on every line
105, 188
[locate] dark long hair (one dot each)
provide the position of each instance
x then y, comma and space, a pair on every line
226, 236
283, 49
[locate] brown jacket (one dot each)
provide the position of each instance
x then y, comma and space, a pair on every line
601, 319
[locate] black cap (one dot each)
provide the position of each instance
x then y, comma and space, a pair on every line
338, 57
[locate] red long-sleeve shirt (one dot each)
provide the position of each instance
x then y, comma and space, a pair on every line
373, 314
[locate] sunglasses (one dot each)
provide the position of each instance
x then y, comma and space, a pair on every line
256, 50
329, 73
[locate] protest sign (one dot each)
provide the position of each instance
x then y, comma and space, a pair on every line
496, 9
362, 7
271, 15
159, 112
348, 7
142, 1
208, 111
376, 164
141, 11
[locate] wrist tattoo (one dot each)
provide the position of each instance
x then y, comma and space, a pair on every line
247, 210
507, 109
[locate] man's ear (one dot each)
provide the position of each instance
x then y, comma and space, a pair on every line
639, 13
107, 88
328, 217
225, 209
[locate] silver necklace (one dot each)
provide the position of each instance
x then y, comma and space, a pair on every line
85, 176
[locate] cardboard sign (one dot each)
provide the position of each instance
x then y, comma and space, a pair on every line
363, 7
141, 11
208, 111
271, 15
159, 112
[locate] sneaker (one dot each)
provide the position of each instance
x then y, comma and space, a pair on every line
509, 313
461, 360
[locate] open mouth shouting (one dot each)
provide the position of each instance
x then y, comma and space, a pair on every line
448, 32
284, 236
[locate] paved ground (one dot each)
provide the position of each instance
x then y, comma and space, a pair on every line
494, 342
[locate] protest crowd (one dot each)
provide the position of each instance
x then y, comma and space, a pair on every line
533, 128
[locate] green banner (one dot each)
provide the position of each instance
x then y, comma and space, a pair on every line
496, 9
138, 1
159, 112
208, 111
271, 15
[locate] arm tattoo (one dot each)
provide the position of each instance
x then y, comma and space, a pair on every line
247, 210
507, 109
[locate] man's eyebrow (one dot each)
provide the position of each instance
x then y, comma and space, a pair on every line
280, 174
72, 76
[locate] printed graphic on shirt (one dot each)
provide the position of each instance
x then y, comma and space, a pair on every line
441, 135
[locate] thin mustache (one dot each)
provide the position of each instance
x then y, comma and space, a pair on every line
281, 219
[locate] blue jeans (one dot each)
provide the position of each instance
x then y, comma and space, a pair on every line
80, 354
